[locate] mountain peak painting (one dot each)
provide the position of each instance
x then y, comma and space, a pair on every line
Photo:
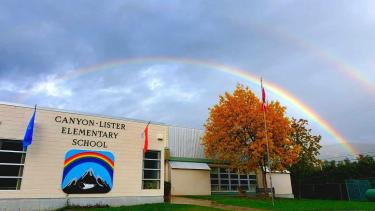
87, 171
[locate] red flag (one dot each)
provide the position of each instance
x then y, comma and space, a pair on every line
264, 105
145, 145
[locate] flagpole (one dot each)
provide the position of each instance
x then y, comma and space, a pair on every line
268, 152
23, 156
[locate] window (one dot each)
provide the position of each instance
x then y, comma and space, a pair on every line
225, 180
12, 159
151, 170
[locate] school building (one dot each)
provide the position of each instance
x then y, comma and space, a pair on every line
87, 159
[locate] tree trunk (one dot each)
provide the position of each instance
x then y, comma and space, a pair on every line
299, 187
264, 177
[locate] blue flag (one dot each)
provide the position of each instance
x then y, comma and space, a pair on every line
29, 132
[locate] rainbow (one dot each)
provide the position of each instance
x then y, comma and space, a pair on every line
339, 64
83, 157
284, 94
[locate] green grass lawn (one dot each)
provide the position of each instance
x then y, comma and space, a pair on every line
152, 207
290, 204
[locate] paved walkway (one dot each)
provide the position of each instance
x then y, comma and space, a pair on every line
208, 203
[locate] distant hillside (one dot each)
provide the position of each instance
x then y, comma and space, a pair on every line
338, 152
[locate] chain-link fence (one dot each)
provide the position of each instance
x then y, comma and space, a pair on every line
357, 188
352, 189
334, 191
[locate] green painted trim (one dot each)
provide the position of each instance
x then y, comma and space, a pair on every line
194, 160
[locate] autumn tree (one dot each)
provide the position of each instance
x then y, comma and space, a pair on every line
310, 146
235, 133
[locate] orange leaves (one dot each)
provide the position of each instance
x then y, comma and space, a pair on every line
234, 132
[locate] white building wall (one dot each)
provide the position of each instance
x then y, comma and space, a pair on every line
44, 162
282, 184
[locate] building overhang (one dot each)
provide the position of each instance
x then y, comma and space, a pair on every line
189, 165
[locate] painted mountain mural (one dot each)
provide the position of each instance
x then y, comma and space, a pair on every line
87, 172
88, 183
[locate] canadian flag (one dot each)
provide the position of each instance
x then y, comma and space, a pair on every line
264, 105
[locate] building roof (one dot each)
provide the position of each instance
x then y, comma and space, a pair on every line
277, 172
185, 142
189, 165
81, 113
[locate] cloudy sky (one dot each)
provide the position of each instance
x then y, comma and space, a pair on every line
60, 54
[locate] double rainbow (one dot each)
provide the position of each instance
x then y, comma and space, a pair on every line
338, 64
282, 93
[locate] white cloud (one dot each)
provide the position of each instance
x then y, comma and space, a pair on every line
8, 86
171, 93
177, 94
51, 88
158, 70
155, 83
116, 90
150, 71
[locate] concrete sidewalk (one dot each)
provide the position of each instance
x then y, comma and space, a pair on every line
208, 203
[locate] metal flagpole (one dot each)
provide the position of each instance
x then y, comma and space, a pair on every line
23, 156
268, 152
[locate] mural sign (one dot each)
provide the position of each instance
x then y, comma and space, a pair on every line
87, 171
